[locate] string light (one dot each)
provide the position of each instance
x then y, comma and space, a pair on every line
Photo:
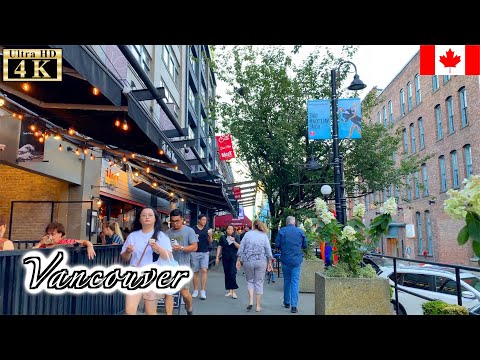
161, 152
176, 167
154, 184
95, 91
182, 199
125, 125
41, 139
20, 117
124, 159
2, 102
136, 173
71, 131
37, 133
92, 157
171, 194
60, 147
77, 152
57, 137
26, 87
32, 127
99, 202
85, 151
46, 135
14, 115
133, 155
148, 170
117, 122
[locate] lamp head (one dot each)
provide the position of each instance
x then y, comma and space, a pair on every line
326, 190
357, 84
312, 163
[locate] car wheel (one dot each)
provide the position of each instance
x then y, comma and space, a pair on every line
401, 309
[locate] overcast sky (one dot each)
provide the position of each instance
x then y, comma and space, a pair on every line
377, 65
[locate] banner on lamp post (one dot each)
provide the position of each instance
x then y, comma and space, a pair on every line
241, 212
349, 115
225, 147
237, 193
319, 119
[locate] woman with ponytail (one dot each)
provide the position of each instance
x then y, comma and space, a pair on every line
113, 234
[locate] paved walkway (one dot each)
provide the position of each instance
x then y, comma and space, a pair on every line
217, 304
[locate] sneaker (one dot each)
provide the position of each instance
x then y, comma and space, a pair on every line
203, 295
195, 293
294, 309
286, 305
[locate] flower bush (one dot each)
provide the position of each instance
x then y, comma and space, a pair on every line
465, 205
312, 239
353, 240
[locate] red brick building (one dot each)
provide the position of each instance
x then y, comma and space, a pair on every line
441, 117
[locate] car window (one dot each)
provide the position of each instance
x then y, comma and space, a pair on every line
399, 278
446, 285
418, 281
473, 282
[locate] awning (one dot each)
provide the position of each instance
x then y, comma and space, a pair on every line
225, 220
209, 194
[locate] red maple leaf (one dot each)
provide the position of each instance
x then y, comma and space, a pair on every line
450, 60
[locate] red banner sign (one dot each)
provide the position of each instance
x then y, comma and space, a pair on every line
237, 193
225, 147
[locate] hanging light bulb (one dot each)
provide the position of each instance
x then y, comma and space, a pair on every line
161, 152
182, 199
41, 139
37, 133
99, 202
71, 131
124, 159
95, 91
33, 127
26, 87
136, 173
77, 152
60, 147
57, 137
14, 115
117, 122
154, 184
20, 117
125, 125
133, 155
148, 169
92, 157
85, 151
2, 102
46, 135
171, 194
176, 167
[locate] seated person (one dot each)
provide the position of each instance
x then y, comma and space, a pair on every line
5, 244
113, 235
55, 235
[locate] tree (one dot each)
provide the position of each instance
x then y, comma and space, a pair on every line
267, 117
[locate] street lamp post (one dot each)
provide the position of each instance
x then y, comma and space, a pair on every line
326, 190
340, 200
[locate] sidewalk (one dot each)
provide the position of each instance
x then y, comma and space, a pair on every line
272, 300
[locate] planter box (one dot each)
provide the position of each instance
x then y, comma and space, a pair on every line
351, 296
307, 275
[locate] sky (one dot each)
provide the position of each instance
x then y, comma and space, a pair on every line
377, 65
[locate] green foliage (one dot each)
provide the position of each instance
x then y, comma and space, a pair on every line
342, 270
313, 241
379, 227
438, 307
267, 117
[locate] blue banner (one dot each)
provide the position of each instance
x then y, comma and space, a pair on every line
319, 119
349, 117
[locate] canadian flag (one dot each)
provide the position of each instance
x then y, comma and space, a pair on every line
449, 59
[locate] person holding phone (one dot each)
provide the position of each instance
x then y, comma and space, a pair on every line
201, 257
227, 247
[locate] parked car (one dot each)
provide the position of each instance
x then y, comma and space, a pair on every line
418, 284
475, 310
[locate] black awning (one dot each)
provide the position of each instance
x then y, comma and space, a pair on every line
205, 193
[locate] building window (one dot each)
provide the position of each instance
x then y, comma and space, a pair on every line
415, 184
397, 193
384, 195
463, 105
390, 110
384, 116
429, 233
438, 117
446, 78
451, 127
412, 138
409, 188
418, 93
405, 142
402, 103
421, 133
435, 82
419, 232
193, 61
443, 173
453, 156
191, 99
379, 117
143, 58
425, 179
467, 152
409, 96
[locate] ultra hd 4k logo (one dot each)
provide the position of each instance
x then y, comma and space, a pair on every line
32, 64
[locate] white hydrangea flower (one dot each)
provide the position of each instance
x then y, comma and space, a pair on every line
359, 210
326, 216
389, 207
320, 206
308, 222
349, 233
467, 199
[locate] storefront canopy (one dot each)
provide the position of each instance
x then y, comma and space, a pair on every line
225, 220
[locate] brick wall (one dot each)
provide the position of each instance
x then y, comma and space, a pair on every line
444, 230
30, 219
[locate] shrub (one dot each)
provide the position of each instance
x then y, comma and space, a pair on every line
439, 307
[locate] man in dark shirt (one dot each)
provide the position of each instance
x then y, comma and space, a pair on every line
291, 240
245, 230
201, 257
